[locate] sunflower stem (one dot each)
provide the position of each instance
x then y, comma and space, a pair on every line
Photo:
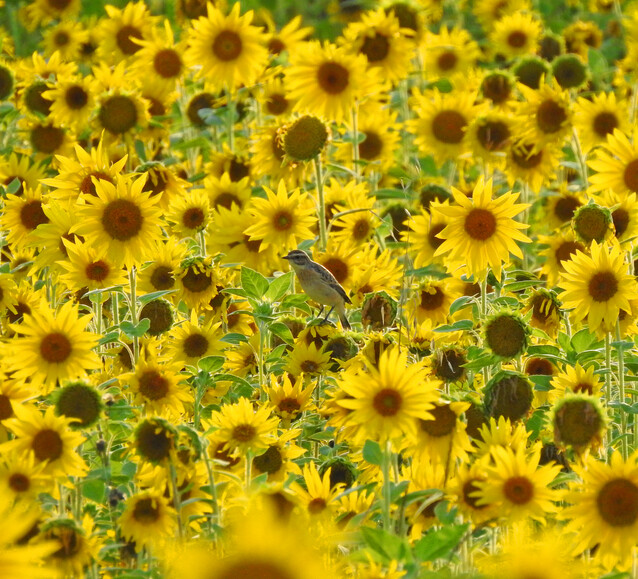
230, 106
387, 486
483, 285
578, 151
177, 503
621, 390
608, 378
322, 204
262, 339
133, 306
248, 470
214, 519
355, 142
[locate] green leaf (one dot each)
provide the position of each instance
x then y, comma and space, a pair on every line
254, 284
136, 331
94, 490
280, 286
521, 285
460, 325
372, 453
140, 150
481, 362
298, 301
13, 187
108, 338
144, 299
392, 194
460, 303
234, 338
389, 546
282, 331
440, 543
543, 350
232, 378
582, 340
211, 363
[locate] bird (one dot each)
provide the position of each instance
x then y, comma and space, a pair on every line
319, 285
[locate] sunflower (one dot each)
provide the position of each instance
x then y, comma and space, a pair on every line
604, 509
283, 219
121, 112
78, 548
616, 165
223, 192
359, 222
441, 123
450, 54
148, 520
515, 35
307, 359
422, 235
197, 281
318, 498
72, 102
489, 12
21, 216
577, 380
242, 429
8, 292
42, 12
119, 32
66, 37
189, 214
624, 214
289, 400
53, 347
378, 37
545, 310
560, 208
49, 438
288, 38
547, 115
530, 163
122, 219
387, 401
432, 301
482, 232
462, 490
191, 341
49, 237
160, 57
561, 248
47, 138
377, 272
489, 135
325, 80
500, 433
229, 49
274, 96
597, 287
23, 170
89, 268
21, 477
159, 274
269, 157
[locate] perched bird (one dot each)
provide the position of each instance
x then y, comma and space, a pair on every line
319, 284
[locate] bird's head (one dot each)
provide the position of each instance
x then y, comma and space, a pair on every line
297, 257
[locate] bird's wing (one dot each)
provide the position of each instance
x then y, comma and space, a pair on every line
332, 281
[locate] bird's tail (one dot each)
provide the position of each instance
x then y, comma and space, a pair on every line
341, 311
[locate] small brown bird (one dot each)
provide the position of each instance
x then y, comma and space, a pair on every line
319, 285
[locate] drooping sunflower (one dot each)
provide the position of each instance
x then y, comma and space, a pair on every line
482, 232
122, 219
53, 347
49, 438
325, 80
148, 519
616, 165
228, 48
269, 158
488, 136
604, 509
385, 402
515, 35
597, 287
441, 122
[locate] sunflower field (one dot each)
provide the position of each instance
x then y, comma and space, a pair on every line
311, 290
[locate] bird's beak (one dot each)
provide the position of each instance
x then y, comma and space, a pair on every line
286, 256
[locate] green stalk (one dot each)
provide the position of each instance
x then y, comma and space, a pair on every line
133, 305
323, 241
355, 143
608, 378
621, 390
177, 502
387, 486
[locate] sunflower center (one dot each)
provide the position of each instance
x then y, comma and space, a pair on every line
55, 348
604, 124
79, 401
167, 63
510, 397
153, 442
252, 245
591, 223
317, 505
566, 249
585, 387
517, 39
195, 345
518, 490
97, 271
193, 218
32, 215
162, 278
505, 336
290, 405
550, 116
370, 148
576, 422
277, 104
153, 385
387, 402
6, 83
620, 217
270, 461
603, 286
118, 114
618, 502
449, 127
255, 568
449, 366
480, 224
433, 240
124, 39
525, 158
309, 366
122, 219
496, 87
333, 78
88, 187
305, 138
361, 229
196, 281
199, 102
565, 207
6, 410
47, 445
493, 135
443, 423
282, 221
19, 483
376, 48
227, 199
447, 61
76, 98
432, 300
227, 46
68, 538
276, 46
338, 268
34, 100
469, 488
244, 432
47, 138
146, 512
630, 176
61, 38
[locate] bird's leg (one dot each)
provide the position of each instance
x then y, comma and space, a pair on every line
320, 312
325, 320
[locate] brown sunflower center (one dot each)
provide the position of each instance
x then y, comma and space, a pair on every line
283, 220
518, 490
47, 138
449, 127
61, 38
276, 46
146, 511
432, 300
193, 218
480, 224
370, 148
6, 409
317, 505
162, 278
122, 219
19, 482
565, 207
449, 365
227, 46
199, 102
630, 176
585, 387
550, 116
277, 104
604, 124
55, 348
153, 385
577, 423
447, 61
244, 432
47, 445
226, 199
493, 135
361, 229
34, 100
32, 215
290, 405
603, 286
124, 39
496, 87
97, 271
333, 78
387, 402
617, 502
167, 63
118, 114
566, 249
469, 488
195, 345
264, 569
76, 97
443, 423
309, 366
270, 462
6, 83
153, 441
620, 217
525, 157
517, 39
376, 48
338, 268
433, 240
88, 187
